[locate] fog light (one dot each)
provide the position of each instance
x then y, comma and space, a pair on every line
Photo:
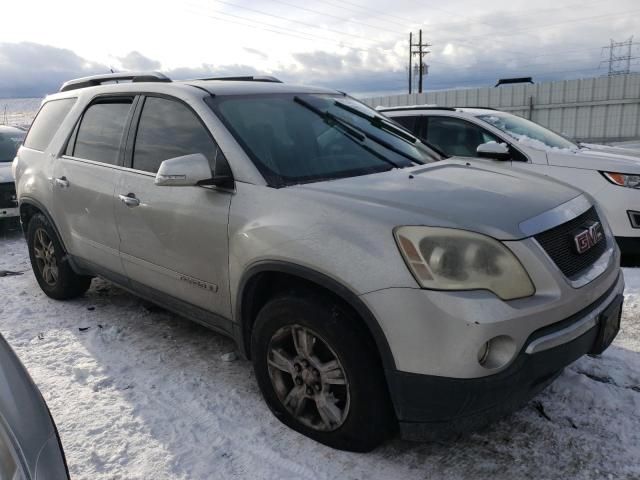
497, 352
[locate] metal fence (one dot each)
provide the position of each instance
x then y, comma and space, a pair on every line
602, 109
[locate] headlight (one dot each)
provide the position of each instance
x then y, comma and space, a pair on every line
623, 179
450, 259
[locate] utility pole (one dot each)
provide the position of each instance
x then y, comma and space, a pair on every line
418, 49
410, 57
619, 60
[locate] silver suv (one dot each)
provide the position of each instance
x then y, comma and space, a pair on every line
373, 284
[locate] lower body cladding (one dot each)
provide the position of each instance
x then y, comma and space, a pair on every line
479, 374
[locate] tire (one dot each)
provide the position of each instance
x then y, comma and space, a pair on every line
49, 262
364, 417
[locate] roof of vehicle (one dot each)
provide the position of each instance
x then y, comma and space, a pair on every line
236, 85
469, 110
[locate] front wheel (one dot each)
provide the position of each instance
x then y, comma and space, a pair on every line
48, 260
319, 373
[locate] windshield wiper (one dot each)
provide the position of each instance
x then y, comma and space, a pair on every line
370, 136
379, 122
351, 130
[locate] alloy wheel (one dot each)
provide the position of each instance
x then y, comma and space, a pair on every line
308, 378
46, 261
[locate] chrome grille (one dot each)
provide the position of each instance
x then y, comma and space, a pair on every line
558, 242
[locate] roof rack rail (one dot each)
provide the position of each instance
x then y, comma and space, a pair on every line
95, 80
246, 78
414, 107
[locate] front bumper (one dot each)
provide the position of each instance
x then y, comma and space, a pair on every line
429, 407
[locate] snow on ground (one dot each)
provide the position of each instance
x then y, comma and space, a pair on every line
143, 394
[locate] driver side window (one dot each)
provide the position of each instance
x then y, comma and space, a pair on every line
454, 136
169, 129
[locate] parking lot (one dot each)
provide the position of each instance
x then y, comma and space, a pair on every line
137, 392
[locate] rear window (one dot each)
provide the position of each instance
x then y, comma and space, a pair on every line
101, 130
47, 123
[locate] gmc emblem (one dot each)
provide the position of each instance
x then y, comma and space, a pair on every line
588, 236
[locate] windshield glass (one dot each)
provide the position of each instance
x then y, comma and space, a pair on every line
9, 143
299, 138
527, 132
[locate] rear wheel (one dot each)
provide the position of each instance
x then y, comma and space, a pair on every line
48, 260
319, 373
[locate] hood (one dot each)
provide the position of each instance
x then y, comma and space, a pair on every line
595, 160
621, 150
484, 199
6, 175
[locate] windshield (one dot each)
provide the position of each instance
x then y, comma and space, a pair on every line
9, 144
299, 138
527, 132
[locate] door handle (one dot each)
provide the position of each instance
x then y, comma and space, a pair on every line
61, 182
129, 200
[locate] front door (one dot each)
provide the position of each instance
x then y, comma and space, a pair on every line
173, 240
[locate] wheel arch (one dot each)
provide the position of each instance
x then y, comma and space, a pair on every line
30, 207
272, 276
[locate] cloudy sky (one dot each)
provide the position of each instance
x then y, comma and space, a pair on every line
359, 46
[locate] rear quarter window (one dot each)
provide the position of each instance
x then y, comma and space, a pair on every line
47, 122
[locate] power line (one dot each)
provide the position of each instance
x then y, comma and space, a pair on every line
381, 17
296, 33
280, 17
369, 9
317, 12
549, 25
280, 30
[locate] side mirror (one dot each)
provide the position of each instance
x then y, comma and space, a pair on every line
494, 151
185, 171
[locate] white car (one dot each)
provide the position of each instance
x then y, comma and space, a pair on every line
611, 175
10, 140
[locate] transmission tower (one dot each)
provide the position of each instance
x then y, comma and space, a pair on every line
620, 56
420, 50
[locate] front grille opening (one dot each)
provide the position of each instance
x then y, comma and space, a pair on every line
8, 195
559, 244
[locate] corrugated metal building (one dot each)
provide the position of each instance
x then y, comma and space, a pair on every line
602, 109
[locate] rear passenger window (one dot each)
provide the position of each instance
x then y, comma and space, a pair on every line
47, 122
456, 137
101, 130
407, 122
169, 129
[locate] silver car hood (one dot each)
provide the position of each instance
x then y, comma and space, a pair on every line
484, 199
595, 160
622, 150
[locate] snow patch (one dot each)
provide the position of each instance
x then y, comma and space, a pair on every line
144, 394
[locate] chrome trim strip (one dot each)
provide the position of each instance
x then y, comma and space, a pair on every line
556, 216
108, 165
563, 336
574, 330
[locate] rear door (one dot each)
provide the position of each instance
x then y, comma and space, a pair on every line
173, 239
84, 182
